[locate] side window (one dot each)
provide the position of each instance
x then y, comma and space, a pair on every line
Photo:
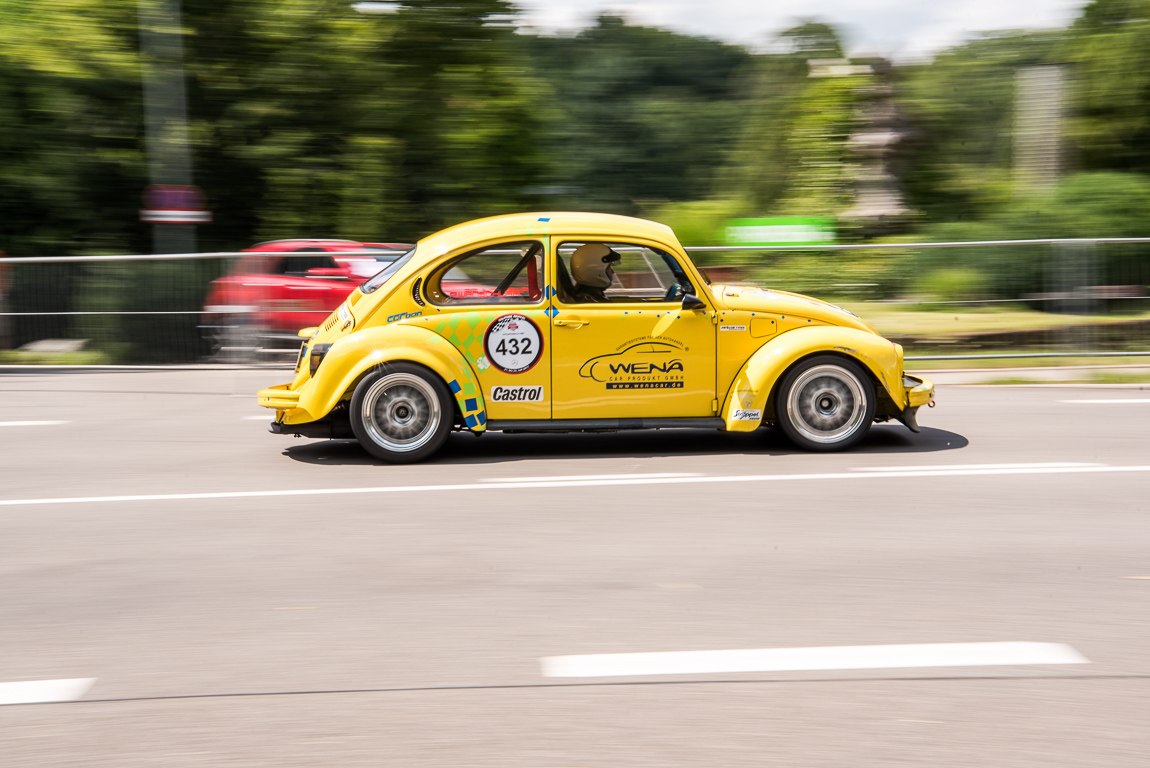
608, 272
508, 273
298, 266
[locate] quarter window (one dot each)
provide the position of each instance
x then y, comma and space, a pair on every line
387, 272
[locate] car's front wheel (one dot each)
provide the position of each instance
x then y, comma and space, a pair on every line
825, 403
401, 413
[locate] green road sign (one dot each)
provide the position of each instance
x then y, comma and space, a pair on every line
780, 230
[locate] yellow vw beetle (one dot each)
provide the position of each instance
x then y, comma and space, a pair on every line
567, 322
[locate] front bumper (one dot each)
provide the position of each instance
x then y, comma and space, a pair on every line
919, 392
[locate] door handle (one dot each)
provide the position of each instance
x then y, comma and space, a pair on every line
571, 322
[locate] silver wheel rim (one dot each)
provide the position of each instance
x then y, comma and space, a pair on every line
401, 412
827, 404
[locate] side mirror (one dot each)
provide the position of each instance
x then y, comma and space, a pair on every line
693, 302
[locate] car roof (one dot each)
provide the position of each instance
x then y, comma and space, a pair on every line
529, 224
279, 246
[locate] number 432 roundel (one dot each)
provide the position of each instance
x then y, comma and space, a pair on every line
513, 343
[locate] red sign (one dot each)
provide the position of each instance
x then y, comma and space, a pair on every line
169, 204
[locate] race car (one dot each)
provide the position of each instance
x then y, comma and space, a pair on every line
594, 322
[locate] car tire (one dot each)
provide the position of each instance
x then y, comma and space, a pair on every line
401, 413
825, 403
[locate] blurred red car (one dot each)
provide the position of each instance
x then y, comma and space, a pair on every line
285, 285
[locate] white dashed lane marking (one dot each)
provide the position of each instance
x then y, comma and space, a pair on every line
811, 659
44, 691
1032, 465
576, 478
31, 423
605, 482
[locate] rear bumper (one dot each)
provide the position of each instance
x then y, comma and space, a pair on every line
278, 397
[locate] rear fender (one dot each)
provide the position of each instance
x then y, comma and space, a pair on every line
355, 355
750, 395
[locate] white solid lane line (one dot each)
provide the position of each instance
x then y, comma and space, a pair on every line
574, 483
810, 659
30, 423
44, 691
1112, 400
589, 477
1032, 465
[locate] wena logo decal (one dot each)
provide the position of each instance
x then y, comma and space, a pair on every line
517, 394
650, 365
748, 414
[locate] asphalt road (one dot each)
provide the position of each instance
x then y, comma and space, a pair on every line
342, 627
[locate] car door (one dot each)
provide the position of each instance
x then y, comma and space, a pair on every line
634, 353
490, 303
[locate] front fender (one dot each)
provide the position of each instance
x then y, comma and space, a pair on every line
749, 395
357, 353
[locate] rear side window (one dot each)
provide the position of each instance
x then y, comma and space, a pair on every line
298, 266
508, 273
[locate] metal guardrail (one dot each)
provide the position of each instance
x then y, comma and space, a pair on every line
895, 246
183, 256
688, 249
121, 304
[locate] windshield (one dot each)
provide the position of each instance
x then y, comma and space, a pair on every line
385, 274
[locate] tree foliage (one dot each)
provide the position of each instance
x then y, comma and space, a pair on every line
309, 119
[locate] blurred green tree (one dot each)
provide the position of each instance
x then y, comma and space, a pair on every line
958, 158
640, 115
71, 168
1109, 49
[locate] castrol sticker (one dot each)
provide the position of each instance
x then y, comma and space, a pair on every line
516, 394
513, 343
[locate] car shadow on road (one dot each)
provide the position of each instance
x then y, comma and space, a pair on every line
498, 447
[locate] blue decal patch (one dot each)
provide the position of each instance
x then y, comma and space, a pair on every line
469, 404
551, 312
471, 422
455, 386
547, 218
482, 417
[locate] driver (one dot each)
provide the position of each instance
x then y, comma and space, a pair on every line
591, 268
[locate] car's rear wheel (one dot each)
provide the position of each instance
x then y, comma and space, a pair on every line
825, 403
401, 413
